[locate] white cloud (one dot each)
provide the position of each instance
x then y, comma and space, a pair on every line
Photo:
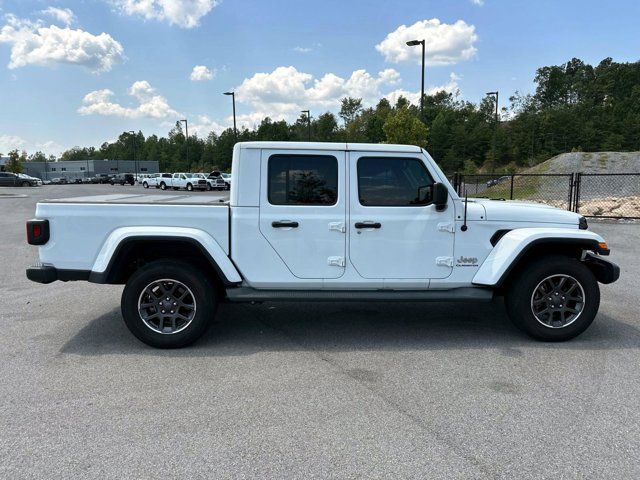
183, 13
302, 49
50, 147
63, 15
445, 44
203, 125
478, 2
200, 73
34, 44
11, 142
282, 93
150, 104
414, 97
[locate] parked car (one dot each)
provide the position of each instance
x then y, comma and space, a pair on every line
101, 178
151, 180
141, 177
165, 181
29, 177
197, 181
59, 181
496, 181
227, 179
122, 179
179, 180
8, 179
87, 180
325, 221
216, 182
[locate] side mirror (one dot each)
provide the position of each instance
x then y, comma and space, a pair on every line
440, 196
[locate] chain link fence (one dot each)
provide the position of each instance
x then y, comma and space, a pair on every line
604, 195
607, 195
551, 189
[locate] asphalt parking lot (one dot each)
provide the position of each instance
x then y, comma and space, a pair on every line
310, 391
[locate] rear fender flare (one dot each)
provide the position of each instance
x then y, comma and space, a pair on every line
220, 261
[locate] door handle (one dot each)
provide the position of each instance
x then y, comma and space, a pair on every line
368, 225
284, 224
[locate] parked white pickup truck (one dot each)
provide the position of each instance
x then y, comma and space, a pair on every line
323, 221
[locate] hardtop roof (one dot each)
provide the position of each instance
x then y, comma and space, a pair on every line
362, 147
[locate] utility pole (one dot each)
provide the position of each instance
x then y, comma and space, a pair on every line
186, 128
308, 123
135, 163
233, 101
415, 43
495, 125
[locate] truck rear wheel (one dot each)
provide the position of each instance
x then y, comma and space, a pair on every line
553, 299
168, 304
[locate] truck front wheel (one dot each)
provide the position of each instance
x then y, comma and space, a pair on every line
553, 299
168, 304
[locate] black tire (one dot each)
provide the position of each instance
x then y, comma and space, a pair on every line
520, 298
26, 184
163, 186
189, 187
145, 184
204, 295
209, 187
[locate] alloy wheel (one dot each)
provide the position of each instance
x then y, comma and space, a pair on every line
167, 306
557, 301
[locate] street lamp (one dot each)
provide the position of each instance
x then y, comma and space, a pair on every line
415, 43
186, 127
233, 101
495, 125
135, 162
308, 122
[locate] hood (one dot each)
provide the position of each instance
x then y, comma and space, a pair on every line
516, 211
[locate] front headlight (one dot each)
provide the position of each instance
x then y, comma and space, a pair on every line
582, 224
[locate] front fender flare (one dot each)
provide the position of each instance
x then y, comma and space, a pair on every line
514, 244
206, 242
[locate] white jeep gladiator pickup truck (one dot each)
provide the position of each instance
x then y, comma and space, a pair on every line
323, 221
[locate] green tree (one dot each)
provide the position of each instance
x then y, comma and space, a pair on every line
38, 157
402, 127
349, 109
14, 164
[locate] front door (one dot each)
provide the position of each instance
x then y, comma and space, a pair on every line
394, 230
303, 210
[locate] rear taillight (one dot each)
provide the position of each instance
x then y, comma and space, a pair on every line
37, 232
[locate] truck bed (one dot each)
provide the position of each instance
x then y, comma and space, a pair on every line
143, 199
82, 227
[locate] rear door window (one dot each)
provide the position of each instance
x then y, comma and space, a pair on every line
303, 180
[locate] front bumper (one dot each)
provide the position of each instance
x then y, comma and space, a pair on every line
604, 270
49, 274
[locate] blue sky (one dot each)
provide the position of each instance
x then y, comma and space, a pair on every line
81, 72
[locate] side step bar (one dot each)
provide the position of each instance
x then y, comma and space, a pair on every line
466, 294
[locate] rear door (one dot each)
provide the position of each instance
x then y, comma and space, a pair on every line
303, 210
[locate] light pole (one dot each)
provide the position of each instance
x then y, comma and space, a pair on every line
233, 101
495, 125
186, 128
135, 162
415, 43
308, 122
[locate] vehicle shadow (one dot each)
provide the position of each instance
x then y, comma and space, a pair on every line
335, 327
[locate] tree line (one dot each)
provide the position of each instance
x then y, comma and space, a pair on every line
576, 106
